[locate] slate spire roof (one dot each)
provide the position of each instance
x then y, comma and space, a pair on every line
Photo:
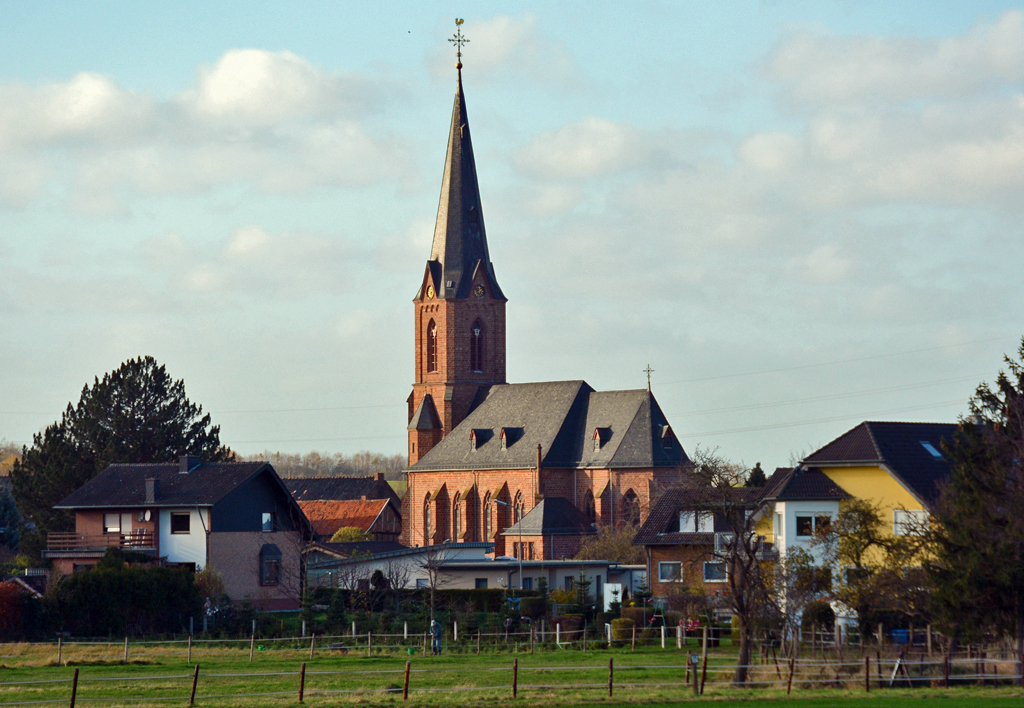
460, 240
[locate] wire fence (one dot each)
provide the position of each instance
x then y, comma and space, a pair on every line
691, 672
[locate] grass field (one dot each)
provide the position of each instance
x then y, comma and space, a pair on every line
648, 676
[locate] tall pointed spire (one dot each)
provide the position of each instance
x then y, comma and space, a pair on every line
460, 240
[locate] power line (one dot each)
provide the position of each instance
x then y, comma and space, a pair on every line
861, 416
830, 397
832, 363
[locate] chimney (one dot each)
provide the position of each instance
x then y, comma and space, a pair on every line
152, 490
378, 476
538, 457
187, 463
362, 498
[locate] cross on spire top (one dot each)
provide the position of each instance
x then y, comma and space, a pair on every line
648, 371
458, 40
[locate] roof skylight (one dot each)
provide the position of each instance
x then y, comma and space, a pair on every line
931, 449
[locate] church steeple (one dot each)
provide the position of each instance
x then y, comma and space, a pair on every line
460, 310
460, 239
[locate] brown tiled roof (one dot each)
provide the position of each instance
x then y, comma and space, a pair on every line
339, 488
896, 445
329, 516
663, 517
793, 484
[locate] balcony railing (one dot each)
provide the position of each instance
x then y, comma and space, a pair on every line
70, 541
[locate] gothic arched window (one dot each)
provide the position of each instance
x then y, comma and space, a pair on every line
588, 506
517, 508
457, 518
431, 346
427, 528
630, 507
487, 517
476, 347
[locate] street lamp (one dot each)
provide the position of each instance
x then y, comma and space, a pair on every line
520, 522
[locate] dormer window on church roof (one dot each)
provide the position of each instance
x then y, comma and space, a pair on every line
601, 436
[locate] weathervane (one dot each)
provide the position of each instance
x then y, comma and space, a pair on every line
648, 371
458, 40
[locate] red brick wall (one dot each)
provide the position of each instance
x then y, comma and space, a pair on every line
692, 558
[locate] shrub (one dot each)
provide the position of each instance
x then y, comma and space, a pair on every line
533, 607
622, 631
570, 623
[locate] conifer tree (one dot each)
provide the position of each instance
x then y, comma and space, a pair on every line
136, 413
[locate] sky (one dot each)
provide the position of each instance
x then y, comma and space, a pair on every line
799, 215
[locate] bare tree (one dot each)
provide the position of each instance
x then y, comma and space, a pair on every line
433, 561
738, 548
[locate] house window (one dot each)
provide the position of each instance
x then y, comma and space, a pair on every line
431, 346
181, 522
631, 507
700, 521
527, 583
476, 347
705, 522
669, 571
270, 564
810, 525
714, 572
269, 522
422, 583
480, 583
117, 523
908, 523
570, 583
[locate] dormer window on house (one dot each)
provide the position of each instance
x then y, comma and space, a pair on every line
696, 522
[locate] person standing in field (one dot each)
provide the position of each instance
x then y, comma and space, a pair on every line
435, 635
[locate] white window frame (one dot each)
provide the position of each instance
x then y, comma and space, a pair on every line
705, 522
902, 517
676, 577
725, 572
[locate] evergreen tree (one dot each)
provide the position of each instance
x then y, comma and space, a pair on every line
978, 565
10, 522
756, 478
136, 413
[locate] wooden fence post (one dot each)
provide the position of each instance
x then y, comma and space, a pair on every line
302, 681
478, 641
74, 688
679, 637
662, 636
515, 677
928, 640
60, 649
424, 643
405, 688
945, 670
252, 647
312, 645
190, 648
369, 643
126, 650
789, 682
195, 682
867, 674
611, 675
703, 673
705, 641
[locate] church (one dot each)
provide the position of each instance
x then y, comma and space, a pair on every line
534, 467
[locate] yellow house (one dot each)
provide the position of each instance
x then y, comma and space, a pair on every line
895, 466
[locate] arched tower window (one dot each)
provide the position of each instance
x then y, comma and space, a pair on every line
630, 507
427, 528
431, 346
487, 516
457, 518
588, 506
476, 347
517, 508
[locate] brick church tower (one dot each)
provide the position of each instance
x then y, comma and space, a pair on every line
460, 309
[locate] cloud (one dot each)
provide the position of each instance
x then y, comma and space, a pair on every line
269, 119
590, 147
828, 69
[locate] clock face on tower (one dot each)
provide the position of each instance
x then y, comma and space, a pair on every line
430, 291
478, 291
